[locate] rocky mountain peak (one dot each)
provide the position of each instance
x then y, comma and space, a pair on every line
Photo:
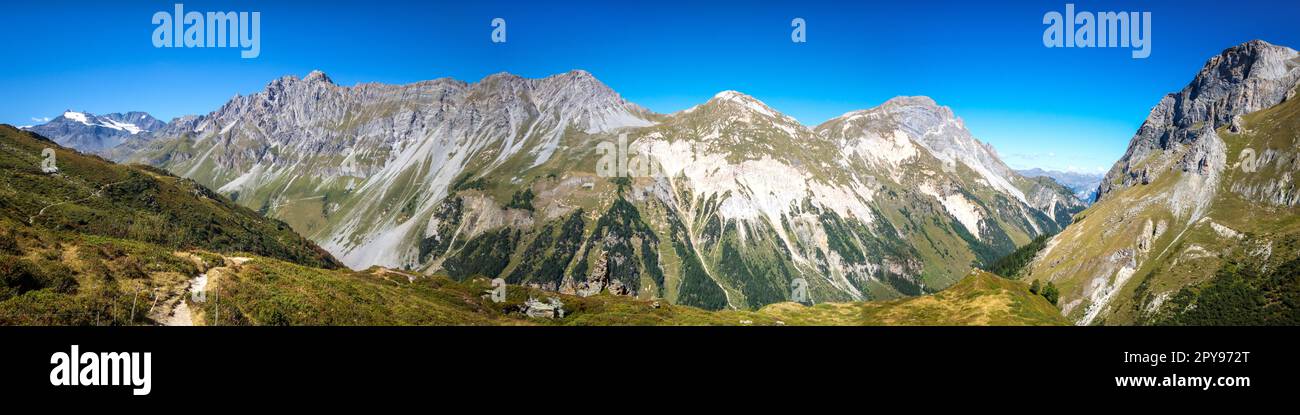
915, 113
1253, 59
736, 102
932, 125
919, 108
903, 120
318, 76
576, 81
287, 82
578, 76
1241, 79
498, 77
911, 101
737, 97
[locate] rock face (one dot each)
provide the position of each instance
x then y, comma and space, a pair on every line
507, 177
1241, 80
1211, 160
96, 133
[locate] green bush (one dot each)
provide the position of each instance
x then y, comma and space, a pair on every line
522, 200
17, 276
56, 276
9, 244
1050, 293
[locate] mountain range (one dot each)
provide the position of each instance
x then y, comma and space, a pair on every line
95, 133
96, 243
502, 178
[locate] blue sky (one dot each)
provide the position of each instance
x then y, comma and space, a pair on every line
1052, 108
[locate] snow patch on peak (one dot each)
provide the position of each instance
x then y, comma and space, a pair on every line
121, 126
80, 117
104, 121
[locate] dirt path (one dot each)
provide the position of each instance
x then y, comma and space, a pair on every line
181, 314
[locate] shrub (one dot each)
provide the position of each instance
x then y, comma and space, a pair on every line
56, 276
17, 276
9, 244
522, 200
1050, 293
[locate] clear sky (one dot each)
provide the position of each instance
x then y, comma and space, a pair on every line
1051, 108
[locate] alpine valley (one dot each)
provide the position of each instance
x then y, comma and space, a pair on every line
417, 195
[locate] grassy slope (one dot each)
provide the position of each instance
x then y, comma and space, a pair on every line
95, 197
1259, 267
979, 299
269, 292
81, 246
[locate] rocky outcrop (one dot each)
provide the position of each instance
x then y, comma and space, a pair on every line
553, 308
599, 281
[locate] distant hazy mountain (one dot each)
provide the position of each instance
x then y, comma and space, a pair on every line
91, 133
1196, 224
501, 177
1084, 185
